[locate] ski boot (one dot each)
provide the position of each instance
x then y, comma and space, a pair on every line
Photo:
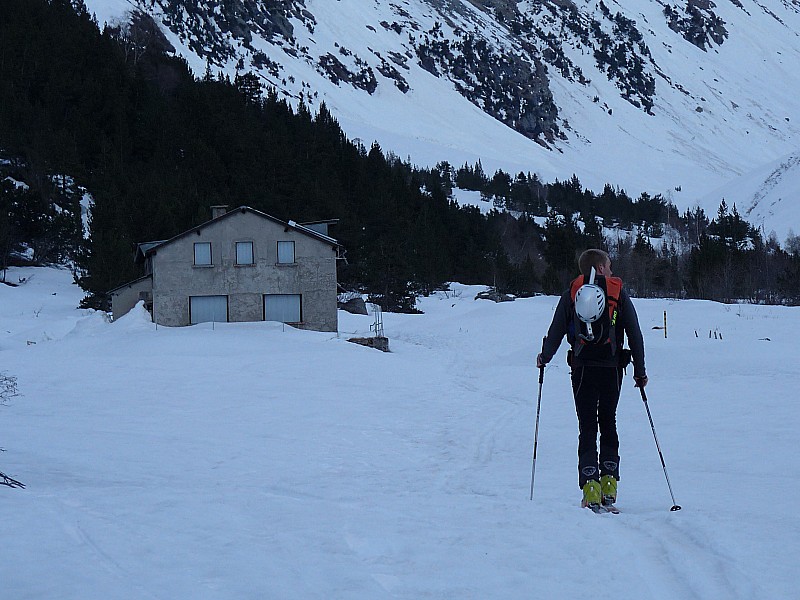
592, 496
608, 485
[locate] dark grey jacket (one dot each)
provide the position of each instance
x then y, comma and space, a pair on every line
627, 324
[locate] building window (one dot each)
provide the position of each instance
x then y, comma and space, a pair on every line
205, 309
284, 308
202, 253
244, 253
285, 253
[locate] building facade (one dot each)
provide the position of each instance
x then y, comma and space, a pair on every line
242, 265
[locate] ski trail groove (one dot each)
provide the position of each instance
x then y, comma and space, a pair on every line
679, 554
67, 519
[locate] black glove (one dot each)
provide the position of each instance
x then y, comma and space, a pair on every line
539, 362
640, 381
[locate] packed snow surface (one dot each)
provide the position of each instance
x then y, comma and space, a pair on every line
259, 461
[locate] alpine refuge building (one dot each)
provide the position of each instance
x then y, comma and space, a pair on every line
242, 265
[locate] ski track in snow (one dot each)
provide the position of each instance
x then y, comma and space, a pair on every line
669, 553
222, 475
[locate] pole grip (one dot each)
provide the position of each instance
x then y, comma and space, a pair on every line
541, 368
536, 430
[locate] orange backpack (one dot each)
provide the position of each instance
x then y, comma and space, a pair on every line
604, 328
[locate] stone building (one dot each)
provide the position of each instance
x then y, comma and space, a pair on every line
242, 265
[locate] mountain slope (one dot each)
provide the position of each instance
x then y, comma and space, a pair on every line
767, 197
667, 97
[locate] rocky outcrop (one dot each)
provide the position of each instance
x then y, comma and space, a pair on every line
697, 23
213, 29
501, 55
513, 88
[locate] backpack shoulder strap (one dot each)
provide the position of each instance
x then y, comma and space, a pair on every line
614, 287
613, 291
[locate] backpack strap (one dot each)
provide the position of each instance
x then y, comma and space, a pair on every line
613, 291
575, 286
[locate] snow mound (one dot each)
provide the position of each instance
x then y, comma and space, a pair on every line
92, 324
136, 319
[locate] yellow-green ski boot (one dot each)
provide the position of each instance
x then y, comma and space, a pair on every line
608, 485
592, 496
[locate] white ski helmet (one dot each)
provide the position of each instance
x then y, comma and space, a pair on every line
590, 302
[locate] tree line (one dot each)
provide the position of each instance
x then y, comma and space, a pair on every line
659, 250
156, 146
112, 114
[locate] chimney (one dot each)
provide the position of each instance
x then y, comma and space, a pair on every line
218, 210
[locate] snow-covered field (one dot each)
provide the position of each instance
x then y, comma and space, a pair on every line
257, 461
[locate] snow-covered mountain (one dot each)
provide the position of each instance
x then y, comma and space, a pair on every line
768, 197
669, 97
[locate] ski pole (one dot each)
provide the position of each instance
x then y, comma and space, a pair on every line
536, 431
658, 447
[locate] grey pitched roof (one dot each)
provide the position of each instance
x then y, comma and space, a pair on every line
143, 247
152, 247
128, 283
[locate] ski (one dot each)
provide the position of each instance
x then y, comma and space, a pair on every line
10, 482
600, 509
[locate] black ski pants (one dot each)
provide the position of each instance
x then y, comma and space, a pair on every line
596, 391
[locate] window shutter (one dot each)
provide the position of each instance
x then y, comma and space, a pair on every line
284, 308
244, 253
285, 252
202, 253
204, 309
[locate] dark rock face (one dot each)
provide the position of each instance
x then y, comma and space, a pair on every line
379, 343
515, 85
337, 72
499, 54
207, 27
697, 23
513, 89
494, 296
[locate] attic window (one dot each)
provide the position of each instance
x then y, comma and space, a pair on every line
244, 253
202, 254
285, 253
